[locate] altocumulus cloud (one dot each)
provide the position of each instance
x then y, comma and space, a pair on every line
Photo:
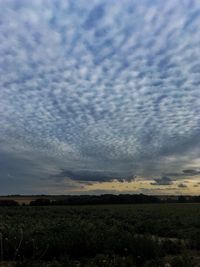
105, 88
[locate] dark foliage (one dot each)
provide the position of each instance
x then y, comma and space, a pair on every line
95, 200
40, 202
103, 235
8, 203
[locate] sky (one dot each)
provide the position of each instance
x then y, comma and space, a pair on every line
99, 97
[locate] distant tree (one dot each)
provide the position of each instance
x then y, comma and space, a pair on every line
195, 199
182, 199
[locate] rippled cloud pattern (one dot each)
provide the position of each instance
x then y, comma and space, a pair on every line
97, 91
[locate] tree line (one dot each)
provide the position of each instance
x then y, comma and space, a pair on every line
102, 199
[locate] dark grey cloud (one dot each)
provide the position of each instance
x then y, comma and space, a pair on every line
192, 172
90, 176
184, 173
181, 185
175, 174
162, 181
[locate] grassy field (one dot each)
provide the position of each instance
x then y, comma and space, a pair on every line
147, 235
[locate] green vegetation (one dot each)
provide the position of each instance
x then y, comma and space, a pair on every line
149, 235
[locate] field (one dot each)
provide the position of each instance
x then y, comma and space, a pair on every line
149, 235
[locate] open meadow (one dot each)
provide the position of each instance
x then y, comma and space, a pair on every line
147, 235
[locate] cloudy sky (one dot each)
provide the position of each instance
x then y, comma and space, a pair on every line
100, 96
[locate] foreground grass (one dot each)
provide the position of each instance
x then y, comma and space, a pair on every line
118, 235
